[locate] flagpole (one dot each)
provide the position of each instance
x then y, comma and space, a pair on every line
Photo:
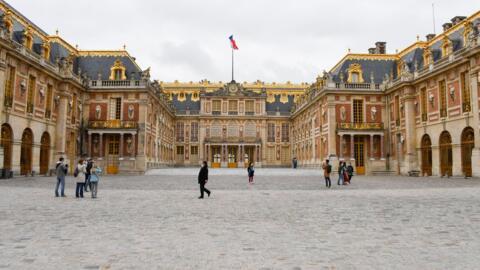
232, 63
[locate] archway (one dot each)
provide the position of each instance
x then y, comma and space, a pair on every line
26, 152
467, 146
426, 146
44, 153
7, 143
446, 160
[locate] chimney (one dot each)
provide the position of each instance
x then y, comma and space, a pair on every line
457, 19
446, 26
371, 50
380, 47
430, 37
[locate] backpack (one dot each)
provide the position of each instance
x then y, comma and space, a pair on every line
329, 168
75, 172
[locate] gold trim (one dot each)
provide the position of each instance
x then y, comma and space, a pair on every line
118, 65
355, 68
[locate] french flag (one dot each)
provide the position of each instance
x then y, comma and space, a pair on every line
233, 43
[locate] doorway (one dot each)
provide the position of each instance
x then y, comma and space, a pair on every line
359, 154
7, 143
26, 152
467, 147
446, 160
249, 150
426, 148
113, 153
44, 153
232, 156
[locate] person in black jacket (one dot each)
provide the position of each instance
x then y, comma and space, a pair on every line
203, 179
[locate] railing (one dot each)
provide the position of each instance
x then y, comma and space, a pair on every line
357, 85
113, 124
187, 112
116, 83
249, 113
232, 113
360, 126
216, 112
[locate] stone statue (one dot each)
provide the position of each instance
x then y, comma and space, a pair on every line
98, 112
373, 113
343, 113
131, 111
146, 74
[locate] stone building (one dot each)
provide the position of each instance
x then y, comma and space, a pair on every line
414, 111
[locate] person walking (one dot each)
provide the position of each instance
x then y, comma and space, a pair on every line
327, 169
60, 170
203, 179
87, 174
94, 178
350, 172
341, 170
79, 174
251, 172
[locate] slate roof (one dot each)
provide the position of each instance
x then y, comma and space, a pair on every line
93, 65
279, 106
187, 104
379, 67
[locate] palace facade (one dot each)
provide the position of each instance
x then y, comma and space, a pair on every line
412, 112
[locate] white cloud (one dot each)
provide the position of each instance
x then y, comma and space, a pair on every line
288, 40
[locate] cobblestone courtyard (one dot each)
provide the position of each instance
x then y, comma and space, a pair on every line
287, 220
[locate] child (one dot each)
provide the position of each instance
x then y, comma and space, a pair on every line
94, 178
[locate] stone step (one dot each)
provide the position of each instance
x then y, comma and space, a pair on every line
384, 173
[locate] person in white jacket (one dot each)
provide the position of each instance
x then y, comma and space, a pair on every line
79, 174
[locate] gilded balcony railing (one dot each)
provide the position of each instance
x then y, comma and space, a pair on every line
360, 126
113, 124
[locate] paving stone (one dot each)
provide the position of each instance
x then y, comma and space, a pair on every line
286, 220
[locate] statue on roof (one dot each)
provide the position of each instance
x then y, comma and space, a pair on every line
406, 75
146, 74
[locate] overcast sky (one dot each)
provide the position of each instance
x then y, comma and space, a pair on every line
279, 40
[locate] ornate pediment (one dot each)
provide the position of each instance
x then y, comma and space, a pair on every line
234, 89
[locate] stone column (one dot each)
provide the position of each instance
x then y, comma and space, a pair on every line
134, 146
121, 145
61, 126
410, 159
100, 146
474, 81
3, 76
372, 157
382, 154
89, 145
352, 149
341, 146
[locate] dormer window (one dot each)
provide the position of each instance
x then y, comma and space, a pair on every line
46, 50
446, 46
427, 56
28, 42
355, 73
118, 71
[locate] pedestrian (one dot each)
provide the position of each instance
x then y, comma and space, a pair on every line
94, 178
341, 170
87, 174
79, 174
294, 162
251, 172
61, 170
350, 172
327, 169
203, 179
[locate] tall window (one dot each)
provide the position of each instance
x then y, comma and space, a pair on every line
216, 107
465, 92
9, 83
118, 74
180, 132
31, 93
194, 150
354, 78
271, 132
423, 101
358, 111
397, 110
232, 107
285, 133
194, 131
443, 98
180, 150
249, 107
115, 108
